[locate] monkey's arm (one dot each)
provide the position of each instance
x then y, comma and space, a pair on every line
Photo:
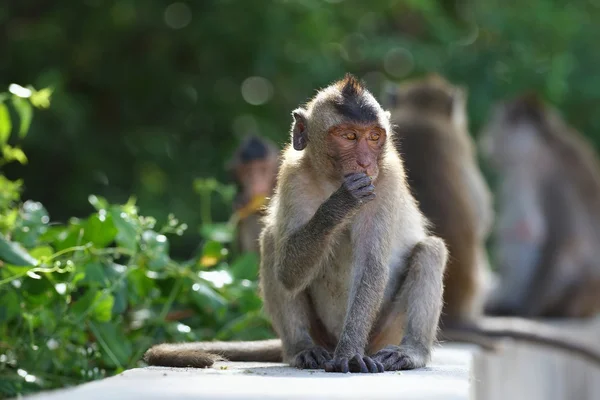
300, 253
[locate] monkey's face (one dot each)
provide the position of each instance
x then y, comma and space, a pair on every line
507, 142
257, 177
353, 147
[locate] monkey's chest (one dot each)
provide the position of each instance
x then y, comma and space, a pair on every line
331, 288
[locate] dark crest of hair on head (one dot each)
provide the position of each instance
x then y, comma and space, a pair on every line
253, 149
352, 103
526, 106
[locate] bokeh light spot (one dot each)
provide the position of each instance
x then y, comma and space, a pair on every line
257, 90
178, 15
398, 62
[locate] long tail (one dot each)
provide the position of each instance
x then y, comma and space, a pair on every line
519, 329
204, 354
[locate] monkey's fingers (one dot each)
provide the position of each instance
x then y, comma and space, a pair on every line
373, 366
355, 183
393, 358
338, 365
313, 358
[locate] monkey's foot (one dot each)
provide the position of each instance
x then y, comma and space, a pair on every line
395, 358
312, 358
357, 363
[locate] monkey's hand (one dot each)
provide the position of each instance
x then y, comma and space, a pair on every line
395, 358
356, 190
356, 363
312, 358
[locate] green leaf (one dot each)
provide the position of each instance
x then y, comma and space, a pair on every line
25, 114
95, 275
14, 154
206, 298
156, 247
5, 124
103, 305
116, 348
98, 202
211, 253
126, 229
41, 98
12, 253
100, 230
96, 304
245, 267
9, 305
82, 305
42, 252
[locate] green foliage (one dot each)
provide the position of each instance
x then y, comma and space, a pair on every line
85, 299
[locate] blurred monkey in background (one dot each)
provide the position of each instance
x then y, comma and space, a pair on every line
547, 239
430, 120
254, 168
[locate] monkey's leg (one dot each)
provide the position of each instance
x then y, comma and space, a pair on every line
419, 301
292, 319
365, 300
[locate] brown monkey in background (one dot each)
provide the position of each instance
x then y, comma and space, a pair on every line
349, 274
254, 168
548, 235
430, 120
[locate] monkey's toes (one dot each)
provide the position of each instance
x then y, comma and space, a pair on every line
313, 358
362, 364
395, 358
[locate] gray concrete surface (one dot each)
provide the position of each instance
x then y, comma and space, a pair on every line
447, 377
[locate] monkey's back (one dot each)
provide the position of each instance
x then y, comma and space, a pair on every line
432, 155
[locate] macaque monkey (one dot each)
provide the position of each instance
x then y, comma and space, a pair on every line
349, 274
430, 120
548, 235
254, 167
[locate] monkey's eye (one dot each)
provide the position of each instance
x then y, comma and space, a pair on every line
374, 136
351, 136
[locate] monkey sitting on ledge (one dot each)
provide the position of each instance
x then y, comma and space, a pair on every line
349, 274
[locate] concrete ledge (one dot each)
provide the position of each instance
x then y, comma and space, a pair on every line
447, 377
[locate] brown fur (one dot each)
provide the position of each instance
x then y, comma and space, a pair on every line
550, 194
429, 118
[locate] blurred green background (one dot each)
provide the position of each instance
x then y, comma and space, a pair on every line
148, 96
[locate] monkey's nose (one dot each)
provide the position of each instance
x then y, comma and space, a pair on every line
363, 164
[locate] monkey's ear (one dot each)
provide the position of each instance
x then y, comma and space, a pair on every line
299, 129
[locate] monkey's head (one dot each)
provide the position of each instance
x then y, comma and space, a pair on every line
343, 130
254, 168
433, 96
514, 133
